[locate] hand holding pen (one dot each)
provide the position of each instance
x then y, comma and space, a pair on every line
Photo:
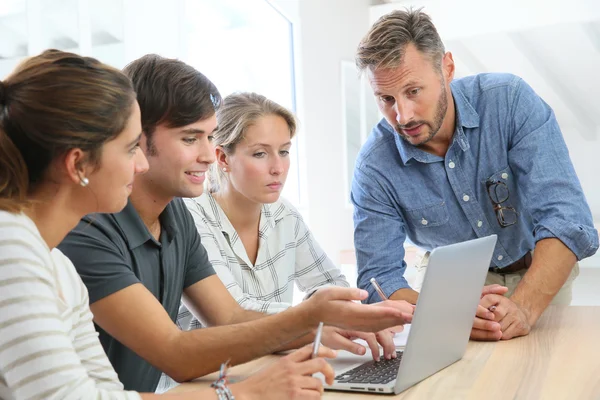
400, 304
486, 325
291, 373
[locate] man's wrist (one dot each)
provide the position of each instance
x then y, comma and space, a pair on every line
406, 294
306, 315
531, 315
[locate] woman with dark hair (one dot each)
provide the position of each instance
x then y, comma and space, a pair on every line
69, 146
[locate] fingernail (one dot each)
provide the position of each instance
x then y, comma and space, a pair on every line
363, 293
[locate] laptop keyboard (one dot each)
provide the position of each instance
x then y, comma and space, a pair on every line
381, 372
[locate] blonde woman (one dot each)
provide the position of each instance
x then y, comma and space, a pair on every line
69, 146
257, 241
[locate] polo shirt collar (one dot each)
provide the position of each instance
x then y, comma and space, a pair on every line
136, 232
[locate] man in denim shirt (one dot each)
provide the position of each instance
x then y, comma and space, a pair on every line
457, 160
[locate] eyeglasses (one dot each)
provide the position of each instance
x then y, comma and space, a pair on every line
498, 194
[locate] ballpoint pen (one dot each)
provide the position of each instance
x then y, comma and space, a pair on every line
378, 289
317, 342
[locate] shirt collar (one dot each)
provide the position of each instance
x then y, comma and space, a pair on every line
409, 152
466, 117
136, 232
214, 212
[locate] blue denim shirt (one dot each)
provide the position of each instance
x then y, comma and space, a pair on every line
504, 132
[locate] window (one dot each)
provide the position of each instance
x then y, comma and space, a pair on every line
241, 45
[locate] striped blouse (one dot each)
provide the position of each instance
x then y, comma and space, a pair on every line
49, 348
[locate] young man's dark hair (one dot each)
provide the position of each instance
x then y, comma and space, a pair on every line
170, 92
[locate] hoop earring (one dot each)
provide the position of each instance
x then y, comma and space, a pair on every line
84, 181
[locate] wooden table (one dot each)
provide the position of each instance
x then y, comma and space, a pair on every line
559, 359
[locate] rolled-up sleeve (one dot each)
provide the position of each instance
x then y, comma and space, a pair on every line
549, 186
379, 236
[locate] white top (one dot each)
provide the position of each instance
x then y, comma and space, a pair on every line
287, 253
49, 348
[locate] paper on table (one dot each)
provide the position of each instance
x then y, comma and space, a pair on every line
399, 338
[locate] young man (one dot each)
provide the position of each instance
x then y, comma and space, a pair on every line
138, 263
457, 160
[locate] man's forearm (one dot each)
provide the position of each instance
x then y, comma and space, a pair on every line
248, 315
202, 351
242, 315
298, 342
406, 294
551, 265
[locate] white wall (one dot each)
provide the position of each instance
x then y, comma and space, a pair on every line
327, 32
585, 154
153, 26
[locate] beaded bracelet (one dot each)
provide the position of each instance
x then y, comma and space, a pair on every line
220, 385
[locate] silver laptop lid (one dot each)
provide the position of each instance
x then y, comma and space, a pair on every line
445, 309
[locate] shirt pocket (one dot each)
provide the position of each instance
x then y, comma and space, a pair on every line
506, 192
428, 216
503, 175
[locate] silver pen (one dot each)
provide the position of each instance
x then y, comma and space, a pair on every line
317, 342
378, 289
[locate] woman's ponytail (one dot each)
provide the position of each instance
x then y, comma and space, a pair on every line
13, 171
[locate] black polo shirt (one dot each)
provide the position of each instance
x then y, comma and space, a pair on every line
114, 251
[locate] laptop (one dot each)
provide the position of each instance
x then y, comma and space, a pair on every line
440, 328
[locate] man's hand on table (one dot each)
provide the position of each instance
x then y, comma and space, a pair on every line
512, 319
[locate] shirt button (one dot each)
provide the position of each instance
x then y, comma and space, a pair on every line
466, 197
424, 221
451, 165
500, 258
479, 224
504, 175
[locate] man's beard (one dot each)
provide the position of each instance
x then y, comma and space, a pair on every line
434, 127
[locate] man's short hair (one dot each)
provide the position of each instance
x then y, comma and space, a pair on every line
171, 93
385, 43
